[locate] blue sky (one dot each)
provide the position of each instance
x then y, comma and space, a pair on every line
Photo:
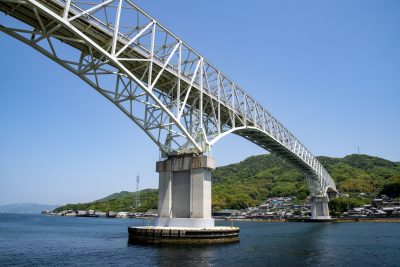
328, 70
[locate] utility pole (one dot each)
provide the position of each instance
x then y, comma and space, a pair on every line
137, 191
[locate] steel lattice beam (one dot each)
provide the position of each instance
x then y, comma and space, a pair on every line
179, 99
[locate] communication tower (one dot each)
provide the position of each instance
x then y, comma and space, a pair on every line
137, 191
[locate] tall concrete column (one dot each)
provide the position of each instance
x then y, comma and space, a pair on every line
184, 196
319, 208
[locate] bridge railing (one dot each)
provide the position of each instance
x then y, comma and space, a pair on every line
217, 85
131, 30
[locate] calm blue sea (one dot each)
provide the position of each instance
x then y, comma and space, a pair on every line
36, 240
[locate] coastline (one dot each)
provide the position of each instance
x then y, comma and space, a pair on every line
334, 220
282, 220
371, 219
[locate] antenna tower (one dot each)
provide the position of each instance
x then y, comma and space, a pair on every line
137, 191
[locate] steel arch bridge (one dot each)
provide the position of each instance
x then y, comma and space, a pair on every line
179, 99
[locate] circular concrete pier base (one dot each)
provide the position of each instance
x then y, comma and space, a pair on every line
327, 219
180, 235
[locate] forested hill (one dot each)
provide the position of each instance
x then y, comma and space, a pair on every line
251, 181
122, 201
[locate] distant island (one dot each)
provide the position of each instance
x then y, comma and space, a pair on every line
250, 182
25, 208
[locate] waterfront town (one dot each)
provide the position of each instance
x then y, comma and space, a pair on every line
283, 208
110, 214
274, 208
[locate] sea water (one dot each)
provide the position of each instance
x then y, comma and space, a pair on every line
38, 240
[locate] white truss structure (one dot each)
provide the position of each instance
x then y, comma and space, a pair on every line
178, 98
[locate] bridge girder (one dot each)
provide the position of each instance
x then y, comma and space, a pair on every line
179, 99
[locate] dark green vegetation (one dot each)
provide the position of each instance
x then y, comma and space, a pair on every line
392, 187
250, 182
355, 174
342, 204
123, 201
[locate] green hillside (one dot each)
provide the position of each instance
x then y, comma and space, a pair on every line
123, 201
251, 181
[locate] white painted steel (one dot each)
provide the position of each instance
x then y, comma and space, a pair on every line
179, 99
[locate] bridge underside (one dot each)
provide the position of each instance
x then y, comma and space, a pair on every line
179, 99
270, 144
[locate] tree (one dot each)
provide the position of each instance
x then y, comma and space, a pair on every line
392, 187
341, 204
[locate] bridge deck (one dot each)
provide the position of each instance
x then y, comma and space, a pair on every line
236, 109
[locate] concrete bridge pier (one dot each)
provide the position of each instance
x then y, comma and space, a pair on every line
184, 196
184, 205
319, 208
